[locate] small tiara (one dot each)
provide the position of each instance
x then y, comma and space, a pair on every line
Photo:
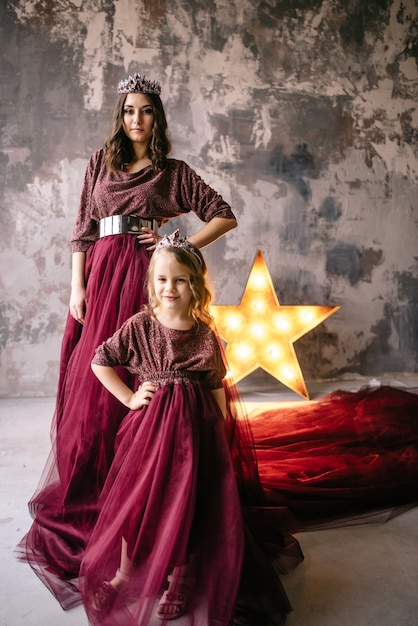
175, 241
139, 84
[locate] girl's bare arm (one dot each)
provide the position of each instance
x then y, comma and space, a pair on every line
115, 385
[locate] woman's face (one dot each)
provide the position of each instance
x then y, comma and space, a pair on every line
138, 118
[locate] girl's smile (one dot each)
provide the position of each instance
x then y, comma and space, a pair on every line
172, 285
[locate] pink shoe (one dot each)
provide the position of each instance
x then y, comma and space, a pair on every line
105, 595
176, 601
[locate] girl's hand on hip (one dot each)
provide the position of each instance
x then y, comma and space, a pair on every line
142, 396
149, 238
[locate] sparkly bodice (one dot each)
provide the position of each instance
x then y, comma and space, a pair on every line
163, 355
176, 190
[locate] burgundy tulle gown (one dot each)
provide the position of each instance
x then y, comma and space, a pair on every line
173, 489
86, 421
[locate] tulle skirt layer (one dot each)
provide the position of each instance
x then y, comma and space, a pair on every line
172, 495
350, 454
86, 420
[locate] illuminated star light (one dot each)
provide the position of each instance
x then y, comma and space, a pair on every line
259, 332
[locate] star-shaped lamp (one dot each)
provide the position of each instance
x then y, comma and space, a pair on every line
260, 332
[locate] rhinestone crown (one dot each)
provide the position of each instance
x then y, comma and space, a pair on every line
139, 84
174, 240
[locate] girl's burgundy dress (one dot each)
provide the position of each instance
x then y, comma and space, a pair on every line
172, 491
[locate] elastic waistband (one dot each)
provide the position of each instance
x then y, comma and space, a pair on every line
124, 225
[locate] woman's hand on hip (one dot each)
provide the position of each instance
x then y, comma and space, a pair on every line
148, 237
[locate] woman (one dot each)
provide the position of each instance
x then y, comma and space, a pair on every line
130, 188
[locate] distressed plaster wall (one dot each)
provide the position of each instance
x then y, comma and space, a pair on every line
302, 113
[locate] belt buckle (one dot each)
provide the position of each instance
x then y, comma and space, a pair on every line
133, 224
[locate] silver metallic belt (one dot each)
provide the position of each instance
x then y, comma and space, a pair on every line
124, 224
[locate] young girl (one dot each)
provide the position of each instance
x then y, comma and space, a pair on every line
170, 508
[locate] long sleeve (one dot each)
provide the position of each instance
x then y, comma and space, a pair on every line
174, 191
85, 228
199, 197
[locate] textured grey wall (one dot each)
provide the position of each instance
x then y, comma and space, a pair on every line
303, 114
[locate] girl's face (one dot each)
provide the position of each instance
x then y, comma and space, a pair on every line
172, 284
138, 118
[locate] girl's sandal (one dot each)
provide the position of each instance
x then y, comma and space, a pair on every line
175, 600
105, 595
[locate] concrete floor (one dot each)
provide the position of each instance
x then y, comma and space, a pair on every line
352, 576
